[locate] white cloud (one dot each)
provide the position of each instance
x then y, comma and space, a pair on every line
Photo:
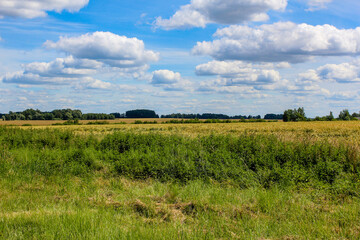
90, 83
315, 5
280, 42
341, 73
238, 73
344, 95
69, 67
309, 76
59, 71
38, 8
199, 13
255, 79
21, 77
219, 86
106, 54
165, 77
106, 47
170, 81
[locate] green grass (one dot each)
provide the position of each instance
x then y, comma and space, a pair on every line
58, 185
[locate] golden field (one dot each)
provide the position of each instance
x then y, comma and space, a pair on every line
335, 132
50, 122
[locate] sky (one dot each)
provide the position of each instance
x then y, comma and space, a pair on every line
234, 57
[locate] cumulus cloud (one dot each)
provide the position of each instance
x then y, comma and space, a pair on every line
69, 67
217, 86
238, 72
237, 77
341, 73
199, 13
315, 5
170, 81
91, 83
83, 82
109, 48
280, 42
165, 77
59, 71
38, 8
21, 77
103, 53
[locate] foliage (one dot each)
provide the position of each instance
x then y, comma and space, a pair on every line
59, 114
119, 115
245, 160
295, 115
345, 115
329, 117
55, 184
141, 113
208, 116
272, 116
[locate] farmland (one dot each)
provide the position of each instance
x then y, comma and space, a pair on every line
269, 180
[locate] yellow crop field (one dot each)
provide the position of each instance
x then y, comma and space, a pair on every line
335, 132
50, 122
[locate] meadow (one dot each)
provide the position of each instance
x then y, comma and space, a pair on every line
269, 180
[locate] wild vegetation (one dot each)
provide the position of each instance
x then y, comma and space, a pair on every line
158, 181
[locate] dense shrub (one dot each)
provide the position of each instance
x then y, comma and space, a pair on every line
245, 160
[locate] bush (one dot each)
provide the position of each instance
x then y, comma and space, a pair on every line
245, 160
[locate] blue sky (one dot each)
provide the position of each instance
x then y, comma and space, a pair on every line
190, 56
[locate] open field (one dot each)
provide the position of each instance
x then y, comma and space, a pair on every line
347, 132
181, 181
50, 122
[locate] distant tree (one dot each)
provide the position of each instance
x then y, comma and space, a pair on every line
38, 116
294, 115
330, 117
274, 116
76, 114
118, 115
345, 115
49, 116
67, 116
21, 116
141, 113
356, 115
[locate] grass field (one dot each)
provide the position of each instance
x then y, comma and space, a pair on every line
181, 181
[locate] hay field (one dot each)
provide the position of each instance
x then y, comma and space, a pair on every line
334, 132
50, 122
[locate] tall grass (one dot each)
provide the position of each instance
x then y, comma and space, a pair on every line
246, 160
55, 184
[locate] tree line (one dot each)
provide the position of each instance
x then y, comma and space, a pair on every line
297, 115
290, 115
208, 116
58, 114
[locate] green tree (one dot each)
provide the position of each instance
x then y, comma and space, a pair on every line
345, 115
330, 117
294, 115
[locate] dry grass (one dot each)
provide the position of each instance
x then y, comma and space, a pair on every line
334, 132
50, 122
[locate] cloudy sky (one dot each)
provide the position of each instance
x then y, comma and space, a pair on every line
189, 56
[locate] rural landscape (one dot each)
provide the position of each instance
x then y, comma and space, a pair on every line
186, 119
241, 179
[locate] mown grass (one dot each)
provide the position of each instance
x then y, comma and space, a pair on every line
55, 184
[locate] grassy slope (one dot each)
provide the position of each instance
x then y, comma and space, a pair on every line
55, 185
